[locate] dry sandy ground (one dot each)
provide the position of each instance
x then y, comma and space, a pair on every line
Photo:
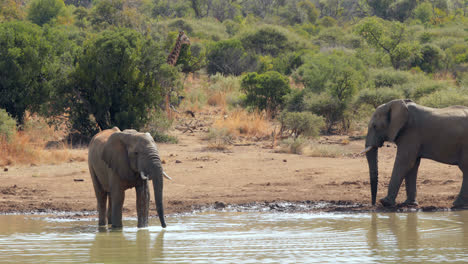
241, 175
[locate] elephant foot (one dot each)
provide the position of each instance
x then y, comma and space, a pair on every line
387, 202
409, 203
460, 204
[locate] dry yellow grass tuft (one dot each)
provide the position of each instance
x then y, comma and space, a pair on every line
242, 123
28, 146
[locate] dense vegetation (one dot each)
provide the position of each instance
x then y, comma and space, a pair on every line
103, 63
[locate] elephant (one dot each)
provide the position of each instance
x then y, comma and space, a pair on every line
119, 160
419, 132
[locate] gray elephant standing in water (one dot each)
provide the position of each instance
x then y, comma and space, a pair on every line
419, 132
122, 160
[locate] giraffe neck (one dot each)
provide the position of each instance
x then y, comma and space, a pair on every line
172, 58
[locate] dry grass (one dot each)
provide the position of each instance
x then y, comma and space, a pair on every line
242, 123
28, 146
325, 150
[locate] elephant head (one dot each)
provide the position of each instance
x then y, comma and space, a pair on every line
385, 125
133, 156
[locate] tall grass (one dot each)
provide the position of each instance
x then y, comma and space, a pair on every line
28, 146
241, 123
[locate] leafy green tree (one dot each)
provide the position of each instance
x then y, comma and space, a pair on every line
265, 41
25, 57
118, 79
43, 11
265, 91
229, 57
107, 12
424, 12
324, 71
431, 60
388, 37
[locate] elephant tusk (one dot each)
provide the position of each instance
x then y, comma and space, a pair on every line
143, 177
167, 176
366, 150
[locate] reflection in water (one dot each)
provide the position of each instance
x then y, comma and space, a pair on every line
243, 237
117, 247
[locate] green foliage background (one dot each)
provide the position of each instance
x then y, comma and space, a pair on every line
102, 63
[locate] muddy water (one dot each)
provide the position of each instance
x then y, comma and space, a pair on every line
242, 237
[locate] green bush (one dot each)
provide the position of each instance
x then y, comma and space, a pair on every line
229, 57
7, 125
265, 91
301, 123
328, 106
376, 97
41, 12
265, 41
431, 60
388, 77
445, 98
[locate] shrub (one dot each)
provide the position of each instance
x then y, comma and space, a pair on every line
301, 123
229, 57
376, 97
7, 125
445, 98
265, 41
388, 77
293, 145
431, 59
158, 125
265, 91
330, 107
41, 12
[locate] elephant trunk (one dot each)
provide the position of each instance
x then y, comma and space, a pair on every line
371, 156
158, 198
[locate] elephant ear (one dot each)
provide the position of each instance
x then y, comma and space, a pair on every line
398, 116
115, 155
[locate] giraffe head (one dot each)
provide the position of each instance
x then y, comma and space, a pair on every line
183, 39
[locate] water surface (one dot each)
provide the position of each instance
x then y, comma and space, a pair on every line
228, 237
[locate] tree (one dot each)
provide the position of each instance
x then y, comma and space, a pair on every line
265, 91
43, 11
229, 57
424, 12
118, 79
25, 57
388, 37
265, 41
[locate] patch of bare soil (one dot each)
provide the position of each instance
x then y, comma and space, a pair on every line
246, 174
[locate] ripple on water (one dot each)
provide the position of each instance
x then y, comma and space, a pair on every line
245, 237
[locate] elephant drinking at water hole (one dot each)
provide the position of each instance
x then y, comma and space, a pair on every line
119, 160
419, 132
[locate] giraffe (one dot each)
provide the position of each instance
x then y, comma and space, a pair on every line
172, 60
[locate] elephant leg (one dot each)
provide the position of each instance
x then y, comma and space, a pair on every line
405, 160
109, 212
142, 204
101, 197
462, 199
410, 182
117, 198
